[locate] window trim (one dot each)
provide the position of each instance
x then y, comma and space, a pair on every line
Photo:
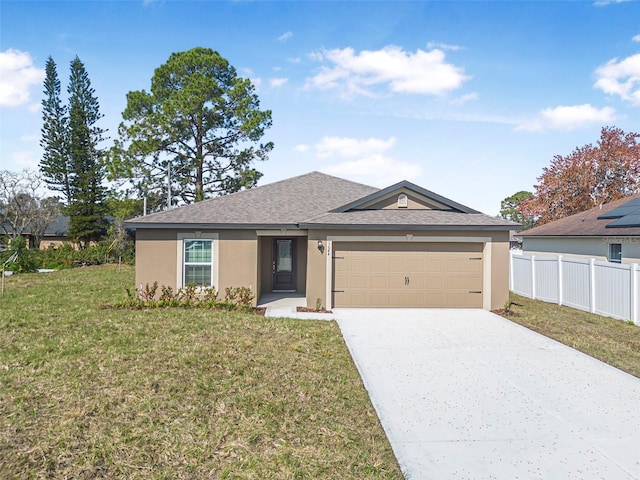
182, 238
610, 257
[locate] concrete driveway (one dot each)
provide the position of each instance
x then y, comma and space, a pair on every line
466, 394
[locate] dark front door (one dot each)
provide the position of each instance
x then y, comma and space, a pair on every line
284, 264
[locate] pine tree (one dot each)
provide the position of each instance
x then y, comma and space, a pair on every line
55, 160
87, 207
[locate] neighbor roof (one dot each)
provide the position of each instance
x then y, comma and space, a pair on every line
317, 200
599, 221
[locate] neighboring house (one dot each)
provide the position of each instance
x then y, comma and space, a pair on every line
54, 235
610, 232
339, 243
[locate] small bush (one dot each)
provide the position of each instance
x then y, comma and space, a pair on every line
236, 298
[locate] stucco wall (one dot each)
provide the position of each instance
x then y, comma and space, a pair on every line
244, 259
585, 247
157, 254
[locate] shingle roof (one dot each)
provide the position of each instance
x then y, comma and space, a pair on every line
307, 201
586, 224
287, 202
422, 218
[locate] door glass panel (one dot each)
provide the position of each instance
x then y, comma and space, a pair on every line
283, 261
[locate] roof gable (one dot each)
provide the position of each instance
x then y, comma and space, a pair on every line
428, 199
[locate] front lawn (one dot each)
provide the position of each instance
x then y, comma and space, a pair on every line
174, 393
612, 341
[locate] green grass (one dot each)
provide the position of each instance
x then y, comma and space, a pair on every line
173, 393
612, 341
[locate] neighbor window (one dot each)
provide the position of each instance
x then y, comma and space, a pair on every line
198, 262
615, 252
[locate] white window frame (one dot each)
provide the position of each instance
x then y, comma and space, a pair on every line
182, 238
618, 257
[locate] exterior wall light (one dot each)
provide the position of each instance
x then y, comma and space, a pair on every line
320, 246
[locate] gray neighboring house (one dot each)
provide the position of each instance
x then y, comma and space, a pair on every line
609, 232
55, 234
336, 242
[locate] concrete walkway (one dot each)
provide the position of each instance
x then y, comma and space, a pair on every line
286, 305
466, 394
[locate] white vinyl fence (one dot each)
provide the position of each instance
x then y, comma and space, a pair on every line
609, 289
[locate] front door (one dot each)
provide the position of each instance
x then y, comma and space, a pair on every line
284, 264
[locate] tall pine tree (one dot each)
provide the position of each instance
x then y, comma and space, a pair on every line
55, 160
86, 162
73, 163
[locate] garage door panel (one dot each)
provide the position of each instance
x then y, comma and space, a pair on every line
413, 275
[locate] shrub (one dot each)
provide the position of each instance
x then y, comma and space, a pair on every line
236, 298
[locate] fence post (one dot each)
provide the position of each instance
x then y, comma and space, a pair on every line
511, 270
634, 293
592, 285
560, 292
533, 277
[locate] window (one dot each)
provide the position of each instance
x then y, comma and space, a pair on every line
615, 252
198, 262
403, 201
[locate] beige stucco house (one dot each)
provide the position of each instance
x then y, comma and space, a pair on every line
609, 232
339, 243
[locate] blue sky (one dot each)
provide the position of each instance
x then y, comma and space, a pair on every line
468, 99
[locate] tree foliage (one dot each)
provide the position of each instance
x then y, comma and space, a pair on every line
54, 164
509, 209
23, 208
588, 176
73, 162
201, 121
87, 208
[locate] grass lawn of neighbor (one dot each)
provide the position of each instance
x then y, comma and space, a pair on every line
613, 341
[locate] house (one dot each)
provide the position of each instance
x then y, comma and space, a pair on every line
609, 232
339, 243
55, 233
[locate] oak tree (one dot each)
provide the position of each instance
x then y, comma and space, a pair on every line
200, 126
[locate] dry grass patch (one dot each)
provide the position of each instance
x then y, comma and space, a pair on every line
612, 341
171, 393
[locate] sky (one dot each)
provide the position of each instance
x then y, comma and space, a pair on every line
470, 100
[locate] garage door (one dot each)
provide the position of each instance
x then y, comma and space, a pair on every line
407, 275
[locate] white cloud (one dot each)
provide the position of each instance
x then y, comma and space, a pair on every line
301, 148
24, 159
422, 72
636, 38
621, 77
363, 160
568, 118
351, 147
278, 82
604, 3
285, 36
375, 169
464, 99
17, 76
30, 138
443, 46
